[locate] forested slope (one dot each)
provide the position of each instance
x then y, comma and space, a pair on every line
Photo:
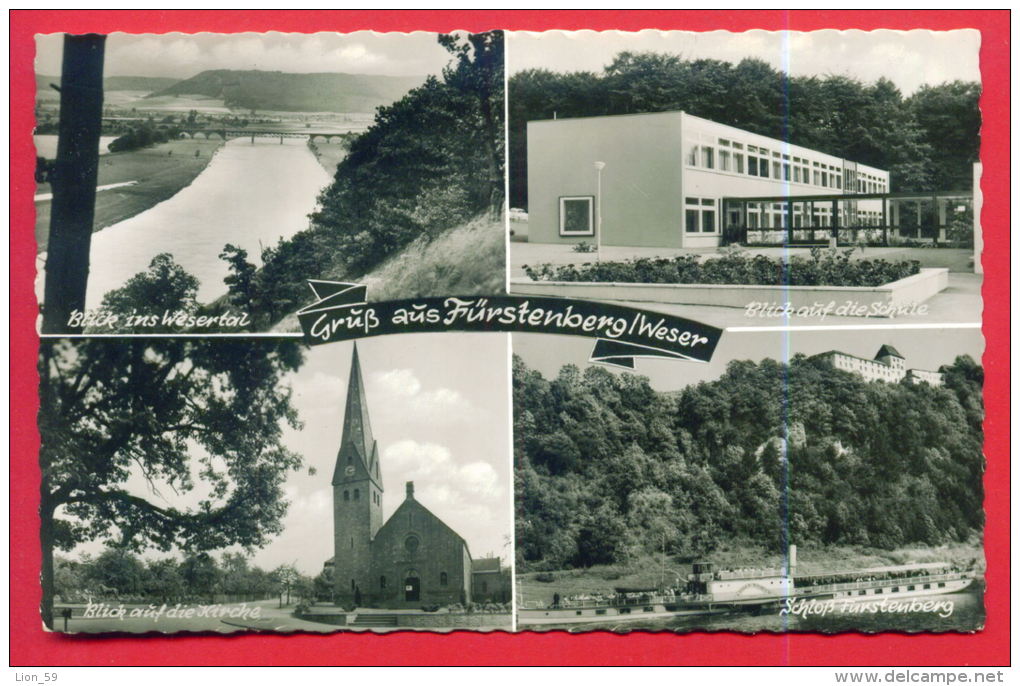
608, 468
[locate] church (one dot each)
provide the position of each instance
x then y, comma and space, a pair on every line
411, 560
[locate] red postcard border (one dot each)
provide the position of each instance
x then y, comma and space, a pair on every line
30, 645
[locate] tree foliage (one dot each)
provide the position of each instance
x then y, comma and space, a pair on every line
926, 141
163, 442
119, 574
607, 468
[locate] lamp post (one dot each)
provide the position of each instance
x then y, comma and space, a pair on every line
599, 166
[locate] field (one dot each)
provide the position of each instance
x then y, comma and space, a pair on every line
647, 572
159, 175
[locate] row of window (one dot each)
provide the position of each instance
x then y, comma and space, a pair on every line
720, 154
357, 496
896, 589
700, 216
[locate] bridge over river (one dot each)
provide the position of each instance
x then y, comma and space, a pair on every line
227, 134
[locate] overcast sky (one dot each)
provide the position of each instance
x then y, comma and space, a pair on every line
908, 58
181, 55
922, 348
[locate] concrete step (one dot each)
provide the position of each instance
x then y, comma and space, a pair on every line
375, 620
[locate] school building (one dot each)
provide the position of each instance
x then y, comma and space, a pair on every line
673, 180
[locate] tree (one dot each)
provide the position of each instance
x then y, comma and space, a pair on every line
478, 71
120, 570
165, 287
126, 427
73, 178
201, 575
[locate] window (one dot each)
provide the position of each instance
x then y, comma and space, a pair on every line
796, 174
724, 161
576, 216
752, 165
411, 544
357, 494
382, 582
707, 157
691, 153
738, 162
699, 215
347, 496
777, 170
443, 579
763, 167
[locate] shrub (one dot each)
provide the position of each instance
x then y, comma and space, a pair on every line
583, 246
823, 268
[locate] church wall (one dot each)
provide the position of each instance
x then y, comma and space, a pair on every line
438, 550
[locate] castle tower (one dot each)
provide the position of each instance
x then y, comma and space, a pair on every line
357, 496
888, 355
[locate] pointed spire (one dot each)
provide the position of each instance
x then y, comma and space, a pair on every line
357, 427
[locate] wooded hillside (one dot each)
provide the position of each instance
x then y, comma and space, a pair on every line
607, 468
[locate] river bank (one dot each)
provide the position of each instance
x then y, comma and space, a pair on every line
329, 155
160, 172
650, 572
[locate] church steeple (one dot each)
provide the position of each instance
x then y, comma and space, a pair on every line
357, 444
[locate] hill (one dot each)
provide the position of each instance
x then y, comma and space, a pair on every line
113, 83
464, 260
607, 469
265, 90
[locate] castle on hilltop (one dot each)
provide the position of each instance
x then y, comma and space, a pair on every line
888, 366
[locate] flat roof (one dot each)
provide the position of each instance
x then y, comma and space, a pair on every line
916, 195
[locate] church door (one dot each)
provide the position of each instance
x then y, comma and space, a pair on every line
412, 587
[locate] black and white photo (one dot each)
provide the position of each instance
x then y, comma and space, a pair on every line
748, 177
225, 485
826, 482
192, 183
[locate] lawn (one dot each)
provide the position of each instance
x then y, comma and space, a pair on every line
159, 175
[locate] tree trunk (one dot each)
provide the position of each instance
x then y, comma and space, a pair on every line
74, 180
46, 537
495, 179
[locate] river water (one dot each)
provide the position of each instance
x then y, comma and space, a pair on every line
968, 614
46, 145
250, 195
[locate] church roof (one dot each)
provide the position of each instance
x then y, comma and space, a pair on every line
888, 350
485, 564
357, 435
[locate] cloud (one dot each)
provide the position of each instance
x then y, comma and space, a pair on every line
434, 468
402, 393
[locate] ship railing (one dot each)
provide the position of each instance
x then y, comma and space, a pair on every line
749, 574
600, 603
876, 583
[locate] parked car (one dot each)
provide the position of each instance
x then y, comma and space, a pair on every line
518, 215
